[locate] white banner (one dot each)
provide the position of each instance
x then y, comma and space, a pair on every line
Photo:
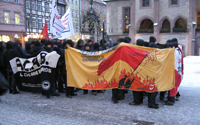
56, 26
68, 25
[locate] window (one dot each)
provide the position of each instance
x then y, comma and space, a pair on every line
5, 38
174, 2
68, 1
16, 1
72, 13
33, 5
33, 23
17, 18
104, 10
72, 1
47, 7
39, 6
7, 17
146, 26
165, 26
76, 2
145, 3
180, 23
40, 24
77, 29
180, 26
27, 4
98, 8
76, 13
198, 22
84, 5
126, 19
6, 0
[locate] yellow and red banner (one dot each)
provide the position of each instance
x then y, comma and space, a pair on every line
124, 66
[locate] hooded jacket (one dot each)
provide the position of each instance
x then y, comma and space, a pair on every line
7, 54
78, 44
2, 49
36, 48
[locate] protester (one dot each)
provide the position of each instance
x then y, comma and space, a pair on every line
138, 95
80, 44
28, 47
2, 68
115, 43
120, 40
86, 48
102, 44
167, 45
127, 40
90, 44
6, 58
170, 98
15, 77
36, 48
69, 91
107, 46
152, 96
56, 47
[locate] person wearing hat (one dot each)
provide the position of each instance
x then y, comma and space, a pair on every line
69, 91
138, 95
152, 96
58, 79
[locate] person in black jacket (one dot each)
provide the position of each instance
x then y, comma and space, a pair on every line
80, 44
56, 47
86, 48
27, 47
6, 59
2, 68
36, 48
15, 77
90, 44
152, 96
138, 95
69, 91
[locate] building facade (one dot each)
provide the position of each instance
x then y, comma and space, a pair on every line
75, 11
166, 19
12, 21
38, 12
100, 8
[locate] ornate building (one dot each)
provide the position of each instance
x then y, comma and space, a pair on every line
164, 19
75, 10
12, 20
100, 8
37, 13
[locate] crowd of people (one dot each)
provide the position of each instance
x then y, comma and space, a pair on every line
7, 52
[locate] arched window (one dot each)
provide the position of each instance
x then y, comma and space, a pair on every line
165, 26
180, 25
146, 26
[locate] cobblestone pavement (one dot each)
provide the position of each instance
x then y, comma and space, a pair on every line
34, 109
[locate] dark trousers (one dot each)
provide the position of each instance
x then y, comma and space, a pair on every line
9, 79
171, 99
68, 90
138, 97
115, 94
162, 95
178, 94
152, 98
14, 83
